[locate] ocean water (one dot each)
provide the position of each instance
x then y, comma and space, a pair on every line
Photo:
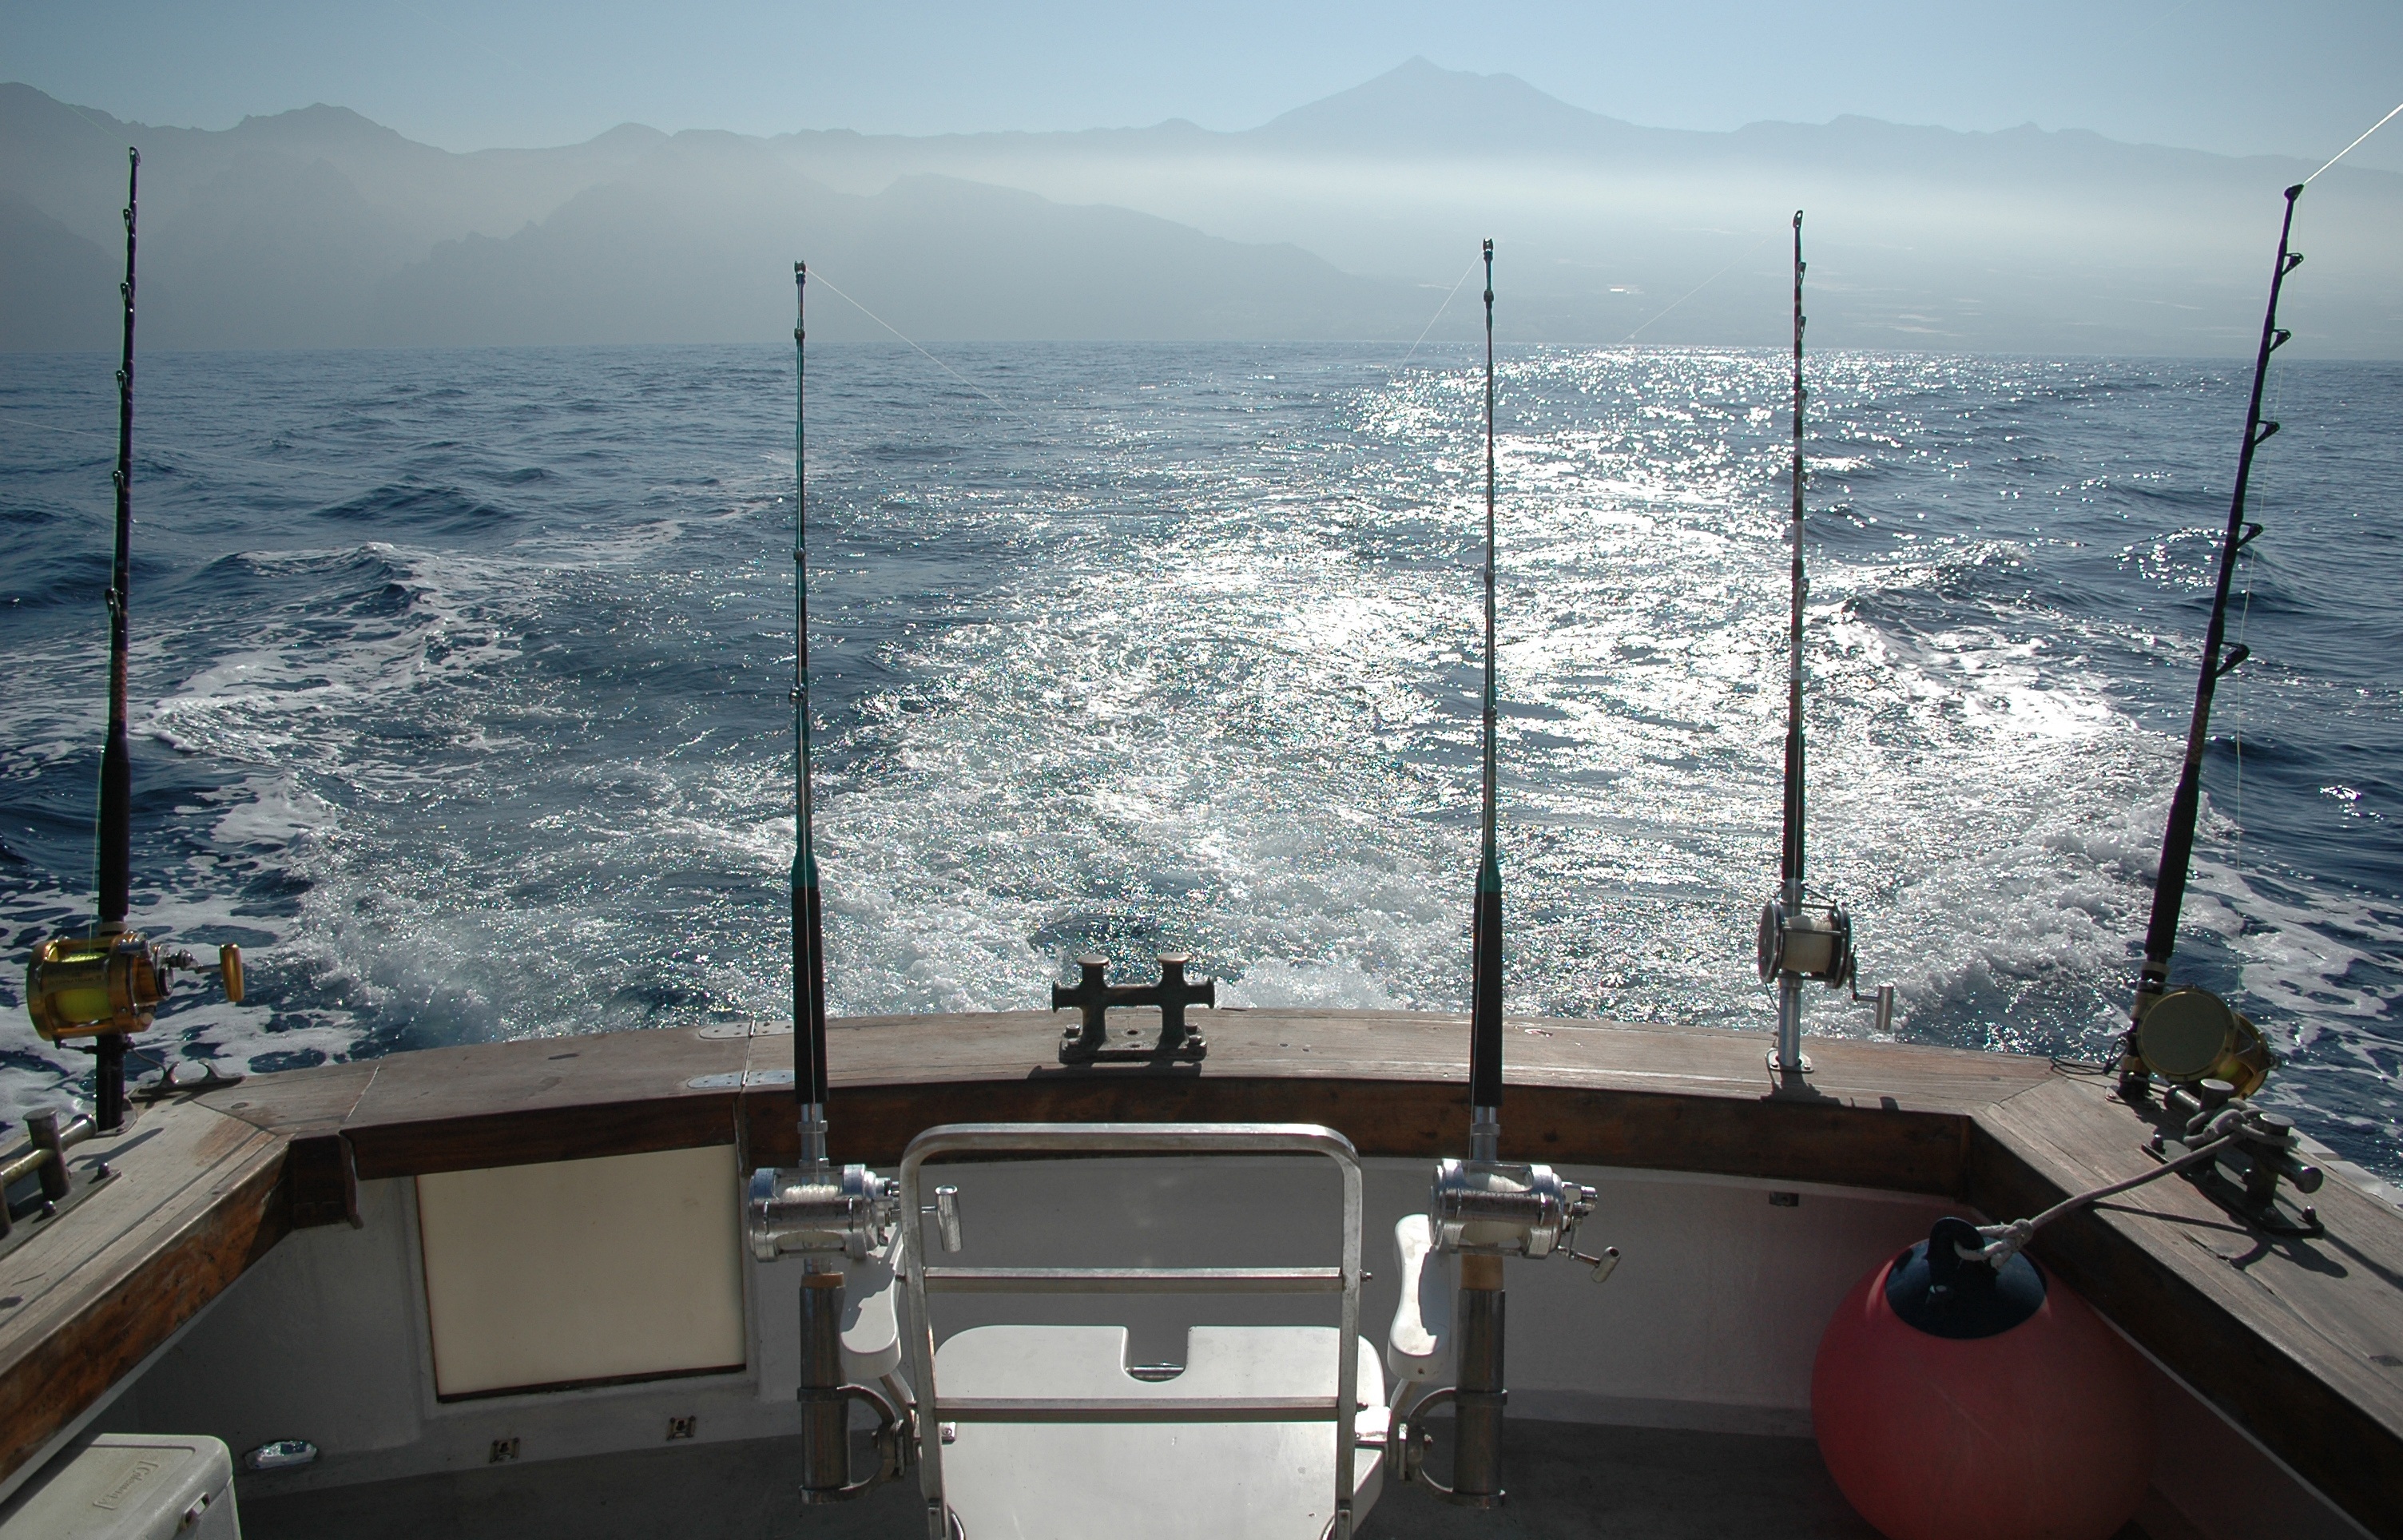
460, 685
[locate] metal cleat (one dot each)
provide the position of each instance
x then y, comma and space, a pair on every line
1092, 995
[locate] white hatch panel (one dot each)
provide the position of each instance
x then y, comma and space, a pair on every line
581, 1272
1194, 1480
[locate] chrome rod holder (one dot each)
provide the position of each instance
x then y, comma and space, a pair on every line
1484, 1210
823, 1216
1480, 1395
1800, 939
826, 1399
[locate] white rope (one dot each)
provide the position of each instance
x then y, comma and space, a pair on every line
2004, 1241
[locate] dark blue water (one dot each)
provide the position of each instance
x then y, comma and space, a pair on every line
460, 685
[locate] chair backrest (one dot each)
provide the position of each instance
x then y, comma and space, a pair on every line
1098, 1139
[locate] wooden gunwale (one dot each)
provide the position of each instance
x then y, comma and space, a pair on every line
2299, 1343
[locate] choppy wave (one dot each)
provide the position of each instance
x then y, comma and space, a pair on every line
461, 686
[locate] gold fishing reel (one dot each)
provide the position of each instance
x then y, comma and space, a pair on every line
111, 981
2190, 1036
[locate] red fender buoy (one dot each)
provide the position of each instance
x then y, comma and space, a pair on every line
2009, 1411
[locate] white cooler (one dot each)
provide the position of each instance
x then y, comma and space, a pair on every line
126, 1486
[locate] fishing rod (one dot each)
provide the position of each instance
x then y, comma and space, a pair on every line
825, 1216
115, 840
106, 985
2190, 1035
809, 932
1796, 939
1483, 1210
1485, 928
1790, 859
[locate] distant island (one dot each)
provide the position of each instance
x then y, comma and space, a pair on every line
1349, 219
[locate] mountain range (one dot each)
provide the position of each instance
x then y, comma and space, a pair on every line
1350, 217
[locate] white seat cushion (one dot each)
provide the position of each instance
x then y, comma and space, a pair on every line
1202, 1480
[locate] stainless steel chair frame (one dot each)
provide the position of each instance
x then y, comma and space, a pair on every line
1097, 1139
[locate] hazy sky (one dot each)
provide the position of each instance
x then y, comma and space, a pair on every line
469, 75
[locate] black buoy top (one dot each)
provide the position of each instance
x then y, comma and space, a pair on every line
1933, 1287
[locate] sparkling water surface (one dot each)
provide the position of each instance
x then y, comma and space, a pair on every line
460, 685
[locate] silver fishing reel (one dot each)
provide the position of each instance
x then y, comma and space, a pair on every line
814, 1212
1499, 1209
1811, 941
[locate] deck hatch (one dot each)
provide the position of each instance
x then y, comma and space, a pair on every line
578, 1273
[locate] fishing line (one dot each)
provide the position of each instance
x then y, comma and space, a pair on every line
1698, 288
2356, 144
88, 120
1437, 315
2243, 678
2244, 692
820, 276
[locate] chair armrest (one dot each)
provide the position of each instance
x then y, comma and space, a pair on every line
872, 1332
1419, 1345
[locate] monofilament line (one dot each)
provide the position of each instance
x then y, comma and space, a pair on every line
1698, 288
1438, 313
2356, 144
904, 337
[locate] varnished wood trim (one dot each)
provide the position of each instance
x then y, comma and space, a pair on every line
321, 1182
537, 1135
73, 1366
1798, 1141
